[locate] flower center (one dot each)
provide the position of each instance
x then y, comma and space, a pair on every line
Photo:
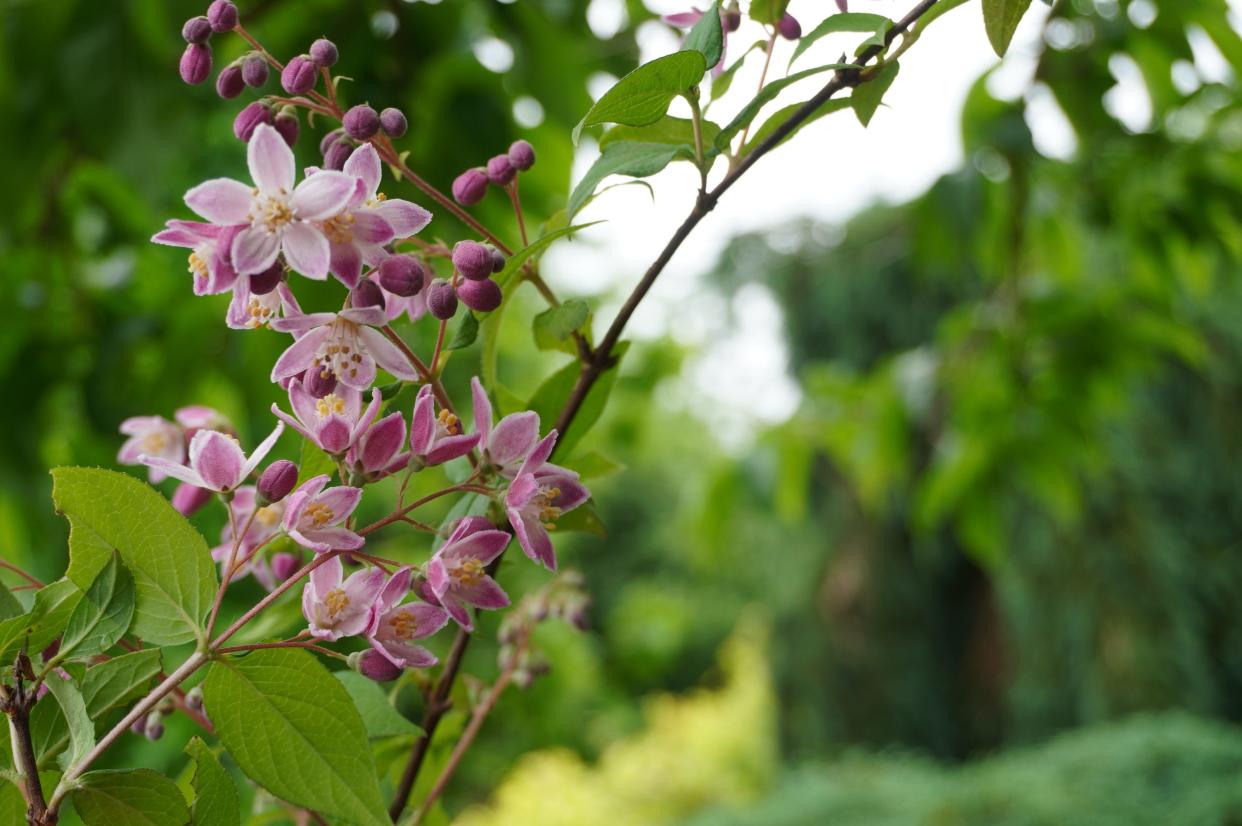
259, 312
469, 572
339, 230
198, 262
267, 516
450, 424
403, 625
548, 513
330, 404
271, 212
319, 514
341, 352
154, 443
336, 601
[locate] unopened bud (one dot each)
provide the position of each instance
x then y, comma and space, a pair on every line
500, 170
223, 15
153, 728
374, 665
482, 296
498, 260
393, 122
189, 499
789, 27
229, 83
318, 382
249, 118
324, 52
195, 63
286, 124
262, 283
194, 698
254, 70
285, 565
298, 78
276, 481
470, 187
366, 294
196, 30
441, 299
361, 122
472, 260
401, 275
521, 155
338, 153
732, 18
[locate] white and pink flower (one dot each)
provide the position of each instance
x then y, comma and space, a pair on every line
336, 607
396, 626
217, 462
457, 573
539, 495
335, 422
345, 344
314, 518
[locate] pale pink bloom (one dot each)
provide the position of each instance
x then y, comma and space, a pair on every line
265, 525
395, 626
278, 217
216, 460
151, 436
314, 517
378, 453
335, 422
197, 417
434, 439
457, 573
539, 495
345, 344
336, 607
211, 252
369, 221
506, 445
249, 310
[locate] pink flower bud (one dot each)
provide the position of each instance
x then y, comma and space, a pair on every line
254, 70
789, 27
500, 170
361, 122
375, 666
195, 63
441, 299
732, 19
323, 51
338, 153
196, 30
188, 499
276, 481
229, 83
483, 296
470, 187
249, 118
521, 155
498, 260
366, 294
472, 260
223, 15
401, 275
285, 565
264, 282
286, 124
393, 121
328, 139
299, 75
319, 383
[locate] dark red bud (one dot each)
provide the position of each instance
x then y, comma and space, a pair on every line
521, 155
249, 118
287, 124
498, 260
482, 296
367, 294
470, 187
338, 153
318, 383
277, 481
229, 83
732, 20
401, 275
441, 299
327, 140
500, 170
223, 15
324, 52
299, 75
361, 122
472, 260
264, 282
393, 121
789, 27
196, 30
254, 70
376, 666
195, 63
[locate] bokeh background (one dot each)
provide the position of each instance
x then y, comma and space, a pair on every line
922, 509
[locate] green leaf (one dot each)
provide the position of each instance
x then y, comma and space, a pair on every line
779, 117
595, 465
293, 729
643, 96
12, 804
668, 129
584, 518
9, 606
137, 797
875, 24
707, 36
935, 12
553, 327
536, 249
53, 605
638, 160
868, 95
766, 94
555, 390
1001, 19
102, 615
464, 334
170, 562
767, 11
215, 796
378, 715
81, 729
314, 462
119, 680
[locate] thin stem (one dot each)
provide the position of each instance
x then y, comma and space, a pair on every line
228, 567
696, 120
435, 353
11, 567
516, 200
276, 593
398, 514
763, 77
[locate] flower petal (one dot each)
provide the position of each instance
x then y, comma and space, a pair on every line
221, 201
381, 442
176, 470
533, 537
218, 459
271, 161
254, 250
483, 411
422, 422
483, 546
323, 195
300, 355
341, 501
370, 228
512, 440
484, 594
386, 354
262, 450
306, 250
452, 447
364, 164
345, 262
405, 218
325, 539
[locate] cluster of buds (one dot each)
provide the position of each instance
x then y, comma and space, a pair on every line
474, 264
195, 66
360, 124
471, 185
564, 598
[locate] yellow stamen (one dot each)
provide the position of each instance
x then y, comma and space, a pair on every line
319, 514
329, 404
403, 625
336, 601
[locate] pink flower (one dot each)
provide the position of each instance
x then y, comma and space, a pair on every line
336, 607
250, 310
216, 460
506, 445
369, 221
277, 217
314, 516
335, 422
345, 344
434, 439
197, 417
376, 454
151, 436
264, 526
457, 575
396, 626
537, 498
211, 259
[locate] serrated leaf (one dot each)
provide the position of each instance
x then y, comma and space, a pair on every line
638, 160
174, 576
766, 94
53, 605
314, 462
555, 390
464, 333
215, 796
378, 715
707, 36
553, 327
778, 118
119, 680
293, 729
1001, 19
72, 706
102, 615
668, 129
867, 96
862, 22
643, 96
137, 797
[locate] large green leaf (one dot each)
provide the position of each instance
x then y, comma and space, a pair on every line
767, 11
137, 797
1001, 19
868, 96
707, 36
638, 160
293, 729
215, 796
119, 680
169, 560
668, 129
102, 614
874, 24
378, 715
643, 96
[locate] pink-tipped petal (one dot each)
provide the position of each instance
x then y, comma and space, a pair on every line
386, 354
513, 438
539, 454
254, 250
292, 422
483, 546
382, 442
322, 196
484, 594
326, 539
423, 422
437, 576
218, 459
397, 587
364, 164
341, 501
174, 469
533, 538
221, 201
334, 436
270, 160
405, 218
300, 355
483, 410
368, 417
306, 250
452, 447
369, 227
345, 262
